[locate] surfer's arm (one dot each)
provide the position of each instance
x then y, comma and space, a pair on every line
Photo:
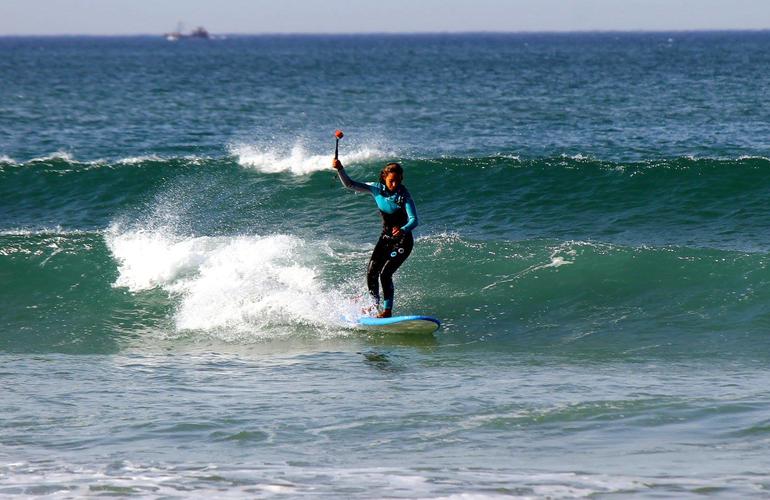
411, 213
349, 183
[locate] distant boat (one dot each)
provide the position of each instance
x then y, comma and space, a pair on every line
199, 32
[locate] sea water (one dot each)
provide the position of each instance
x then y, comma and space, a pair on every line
176, 257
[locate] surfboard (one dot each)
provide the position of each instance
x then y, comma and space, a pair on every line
419, 325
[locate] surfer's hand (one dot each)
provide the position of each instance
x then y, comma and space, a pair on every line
396, 231
336, 164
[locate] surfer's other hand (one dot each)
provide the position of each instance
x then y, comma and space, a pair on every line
336, 164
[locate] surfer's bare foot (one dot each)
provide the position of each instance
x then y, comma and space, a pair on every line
386, 313
369, 311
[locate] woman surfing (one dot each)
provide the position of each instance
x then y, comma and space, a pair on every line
399, 218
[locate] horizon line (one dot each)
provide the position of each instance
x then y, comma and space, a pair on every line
398, 33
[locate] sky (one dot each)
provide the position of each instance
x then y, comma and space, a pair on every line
124, 17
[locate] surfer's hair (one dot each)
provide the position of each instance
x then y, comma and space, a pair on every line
392, 168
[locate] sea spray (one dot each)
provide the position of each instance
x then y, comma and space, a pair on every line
298, 161
264, 285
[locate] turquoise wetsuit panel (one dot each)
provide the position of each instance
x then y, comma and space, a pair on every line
387, 203
390, 203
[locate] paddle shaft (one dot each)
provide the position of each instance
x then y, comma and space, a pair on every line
336, 155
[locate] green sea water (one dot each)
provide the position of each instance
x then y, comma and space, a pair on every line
178, 267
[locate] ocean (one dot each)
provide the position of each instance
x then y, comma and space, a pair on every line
177, 260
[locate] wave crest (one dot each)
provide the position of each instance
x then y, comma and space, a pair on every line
233, 286
298, 161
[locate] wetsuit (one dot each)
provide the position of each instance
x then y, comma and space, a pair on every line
397, 210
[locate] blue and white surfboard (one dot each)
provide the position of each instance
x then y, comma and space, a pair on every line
400, 324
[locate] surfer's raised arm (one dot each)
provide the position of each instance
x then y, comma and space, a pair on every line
347, 181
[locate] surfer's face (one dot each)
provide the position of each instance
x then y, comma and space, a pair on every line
392, 180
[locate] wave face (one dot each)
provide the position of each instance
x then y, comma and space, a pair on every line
684, 201
560, 253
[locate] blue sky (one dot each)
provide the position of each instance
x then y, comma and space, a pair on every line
361, 16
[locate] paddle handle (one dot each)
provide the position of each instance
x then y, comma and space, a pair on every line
339, 135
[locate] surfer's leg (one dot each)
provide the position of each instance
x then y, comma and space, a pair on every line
376, 263
396, 257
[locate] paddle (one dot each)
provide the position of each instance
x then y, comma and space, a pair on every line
339, 135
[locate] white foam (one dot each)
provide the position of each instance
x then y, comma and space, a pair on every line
234, 285
133, 160
46, 231
556, 257
58, 155
557, 261
445, 240
100, 162
149, 259
67, 480
298, 160
577, 157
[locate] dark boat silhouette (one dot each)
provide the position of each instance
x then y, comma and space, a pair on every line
200, 32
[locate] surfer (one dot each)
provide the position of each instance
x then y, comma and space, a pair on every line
399, 217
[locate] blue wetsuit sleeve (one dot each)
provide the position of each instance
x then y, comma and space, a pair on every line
349, 183
411, 212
